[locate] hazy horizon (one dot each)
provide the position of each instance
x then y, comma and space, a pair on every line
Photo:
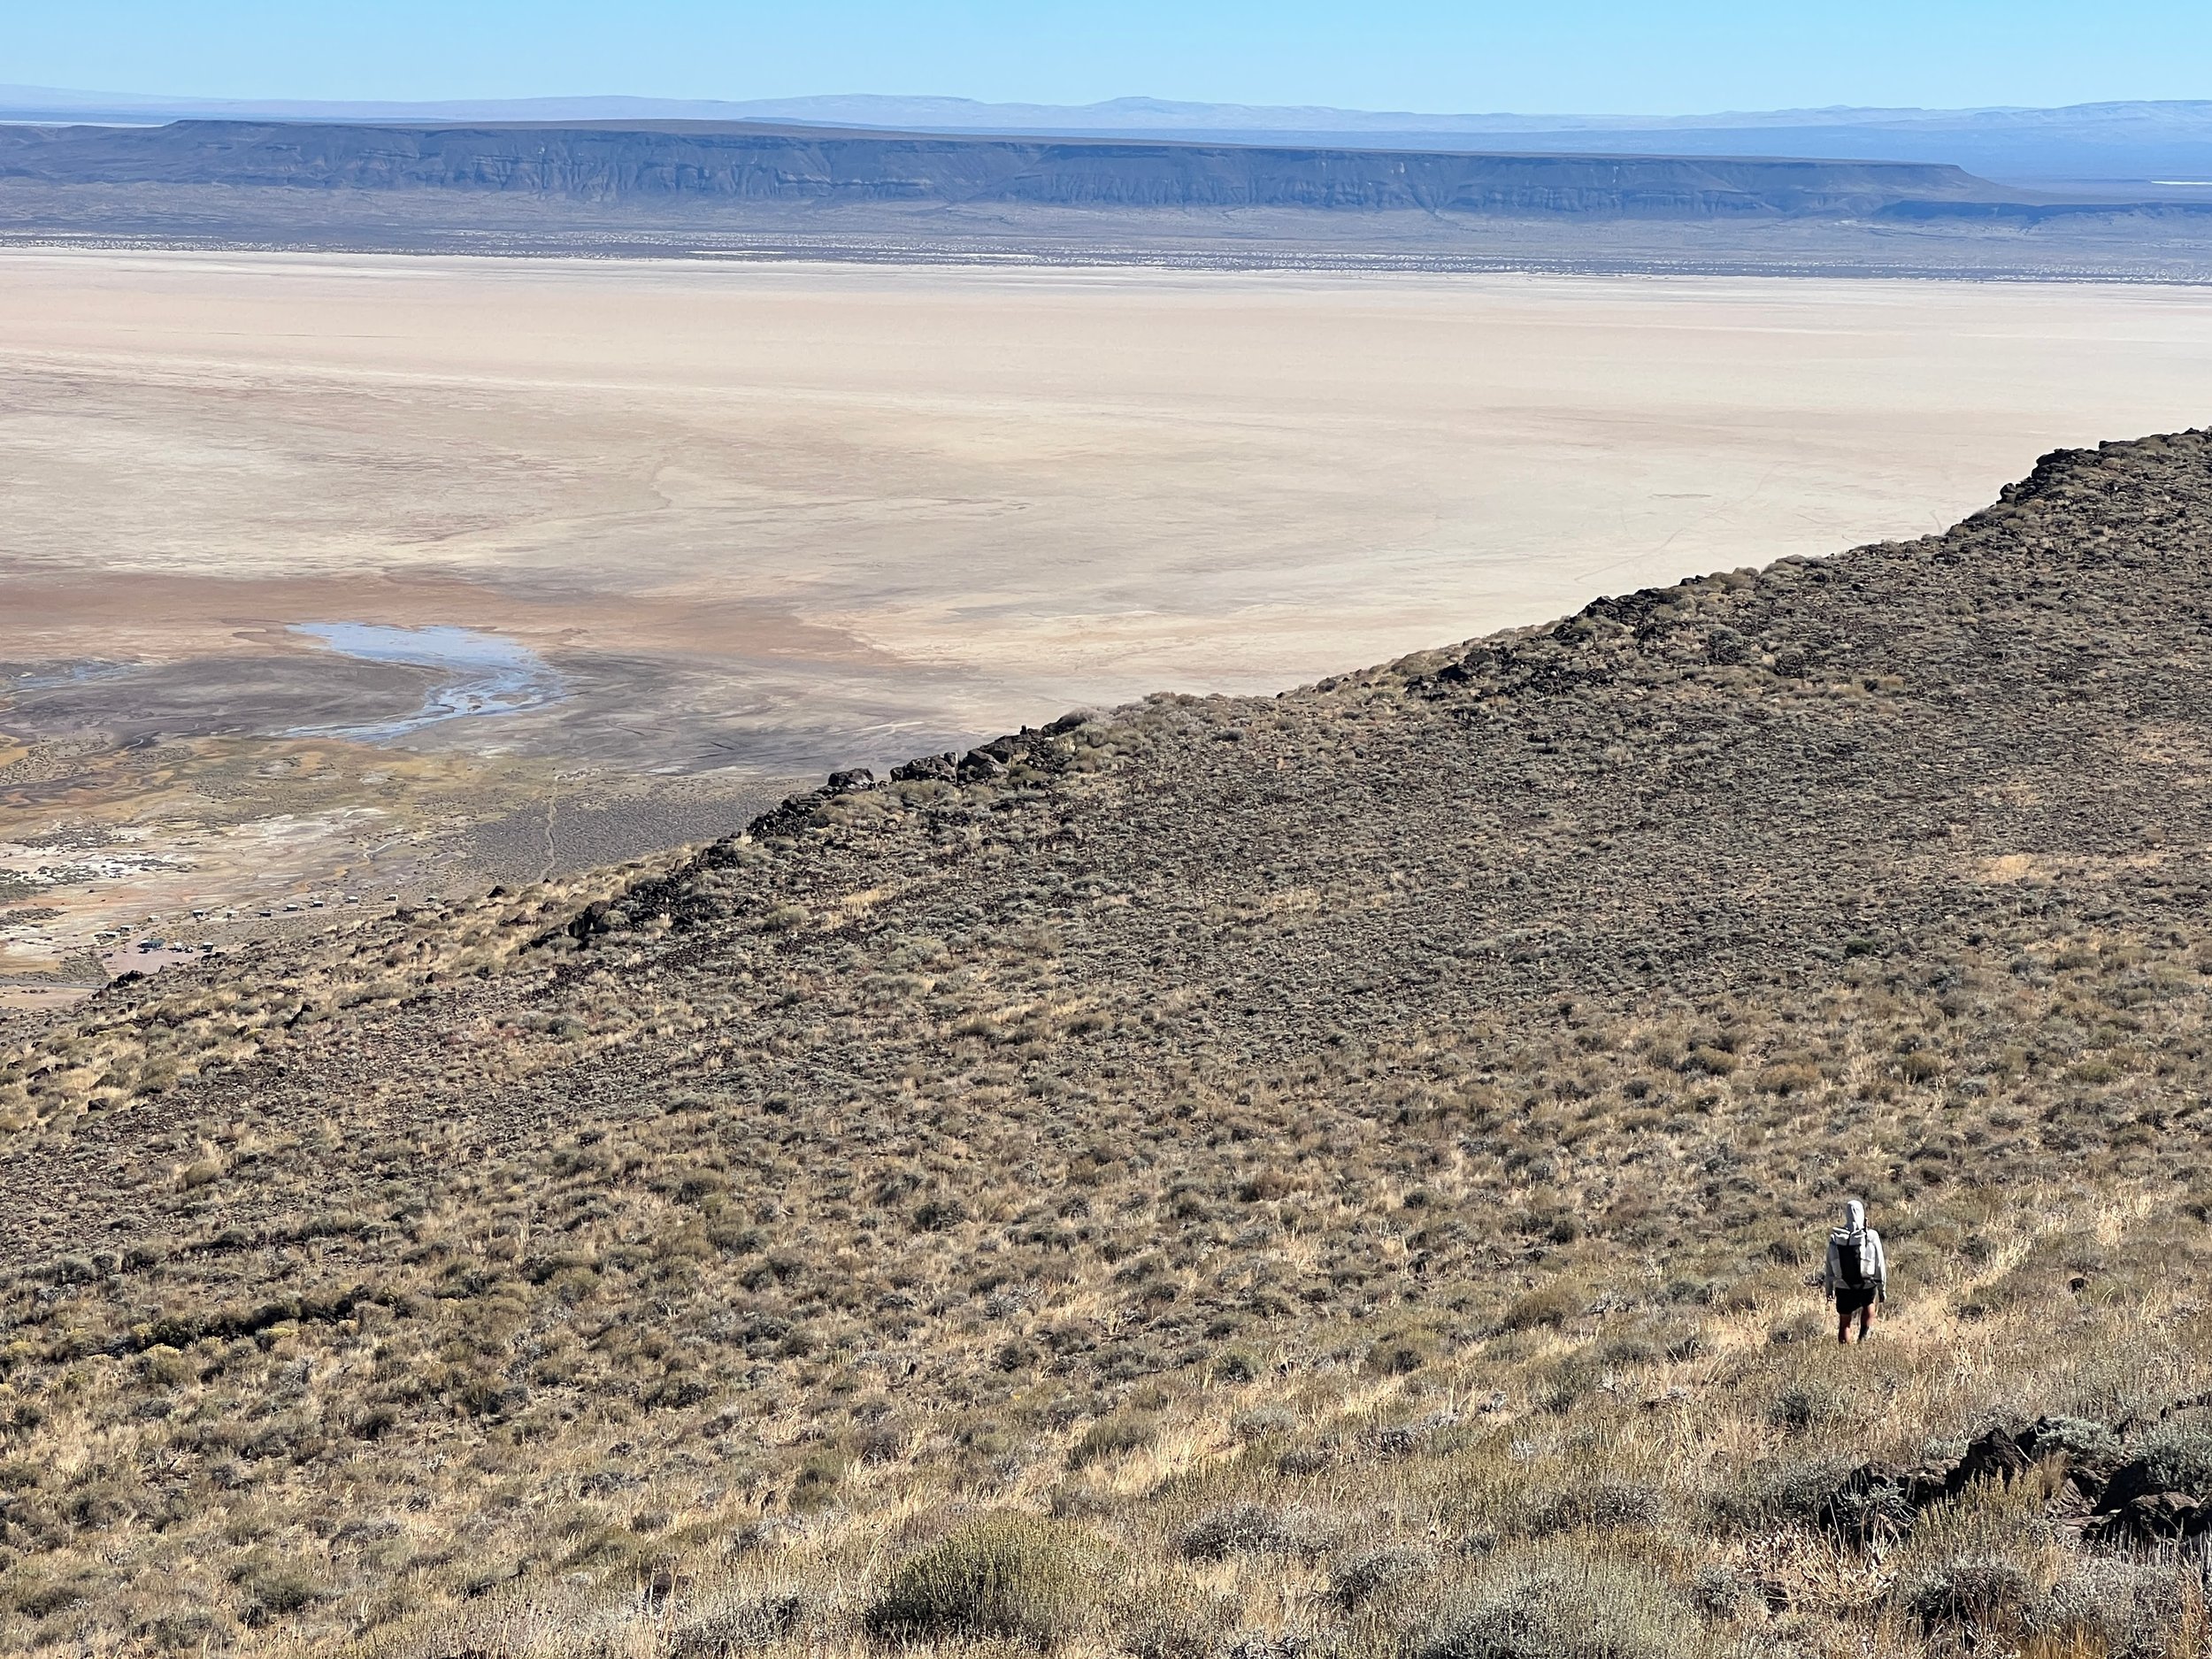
1425, 57
2125, 147
1137, 107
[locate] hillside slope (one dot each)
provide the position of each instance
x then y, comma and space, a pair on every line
1346, 1161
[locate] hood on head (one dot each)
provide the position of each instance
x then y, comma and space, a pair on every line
1854, 1217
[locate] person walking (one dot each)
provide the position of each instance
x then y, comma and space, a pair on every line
1858, 1272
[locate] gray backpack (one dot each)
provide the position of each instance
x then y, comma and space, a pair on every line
1854, 1259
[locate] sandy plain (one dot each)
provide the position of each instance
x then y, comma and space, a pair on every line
762, 518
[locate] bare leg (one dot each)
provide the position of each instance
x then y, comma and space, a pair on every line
1866, 1320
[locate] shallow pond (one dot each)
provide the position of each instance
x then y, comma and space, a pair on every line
487, 673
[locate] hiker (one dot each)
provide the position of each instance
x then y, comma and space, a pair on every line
1858, 1272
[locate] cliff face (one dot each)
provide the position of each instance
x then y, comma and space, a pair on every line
803, 165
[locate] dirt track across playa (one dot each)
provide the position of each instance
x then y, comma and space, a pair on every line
775, 517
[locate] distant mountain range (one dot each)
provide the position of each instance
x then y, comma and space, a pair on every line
2125, 144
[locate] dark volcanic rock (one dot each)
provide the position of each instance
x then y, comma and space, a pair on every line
941, 768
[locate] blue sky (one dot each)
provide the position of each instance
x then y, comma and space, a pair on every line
1433, 55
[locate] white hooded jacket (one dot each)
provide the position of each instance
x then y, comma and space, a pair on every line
1850, 1246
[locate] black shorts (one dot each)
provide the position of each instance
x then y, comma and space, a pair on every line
1849, 1301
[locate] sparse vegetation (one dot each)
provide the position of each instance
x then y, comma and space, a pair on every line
1412, 1260
1010, 1575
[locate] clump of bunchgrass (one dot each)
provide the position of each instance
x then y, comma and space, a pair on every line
1113, 1437
1563, 1605
1010, 1576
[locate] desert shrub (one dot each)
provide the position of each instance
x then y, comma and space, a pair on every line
1549, 1304
2126, 1609
1262, 1423
1364, 1574
1235, 1529
1725, 1592
2178, 1456
1800, 1406
741, 1627
1603, 1503
1012, 1577
1403, 1354
1173, 1618
1113, 1437
1976, 1597
2081, 1439
1563, 1608
1791, 1491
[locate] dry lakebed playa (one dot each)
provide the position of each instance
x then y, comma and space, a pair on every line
329, 578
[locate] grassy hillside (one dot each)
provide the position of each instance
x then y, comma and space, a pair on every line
1334, 1173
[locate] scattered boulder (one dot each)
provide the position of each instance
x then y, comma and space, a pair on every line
926, 769
2161, 1494
853, 778
1992, 1456
2152, 1518
1879, 1498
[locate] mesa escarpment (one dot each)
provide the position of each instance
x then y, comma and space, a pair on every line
1349, 1159
701, 163
690, 189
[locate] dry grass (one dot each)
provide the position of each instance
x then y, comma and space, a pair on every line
1260, 1196
668, 1353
